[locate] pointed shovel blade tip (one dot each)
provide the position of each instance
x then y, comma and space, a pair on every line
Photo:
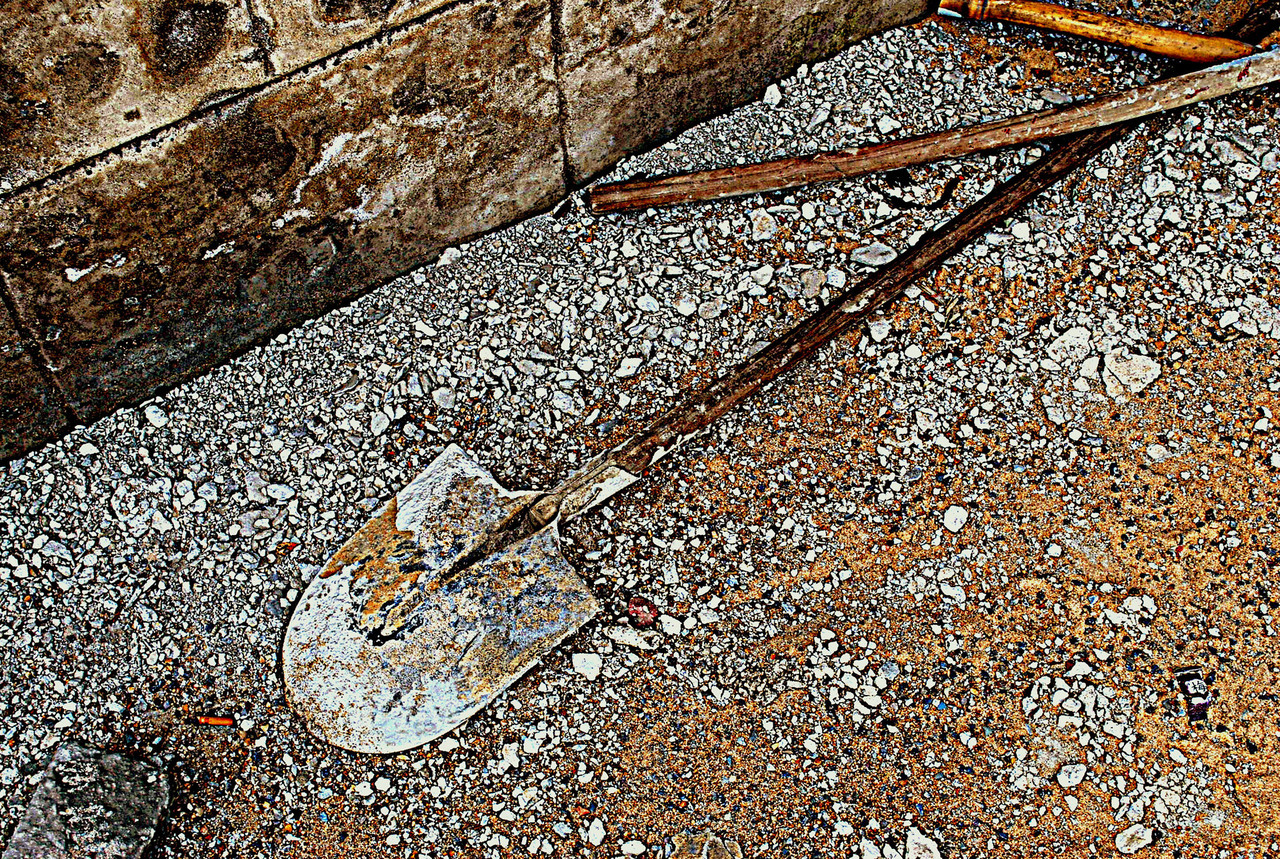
380, 656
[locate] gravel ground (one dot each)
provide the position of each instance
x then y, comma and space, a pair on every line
927, 595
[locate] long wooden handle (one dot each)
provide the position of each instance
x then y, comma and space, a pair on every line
1175, 44
1169, 94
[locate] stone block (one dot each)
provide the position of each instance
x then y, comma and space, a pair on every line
91, 803
636, 72
31, 408
80, 78
172, 256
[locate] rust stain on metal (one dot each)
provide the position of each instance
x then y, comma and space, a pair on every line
372, 665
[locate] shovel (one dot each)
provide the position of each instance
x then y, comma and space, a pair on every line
458, 586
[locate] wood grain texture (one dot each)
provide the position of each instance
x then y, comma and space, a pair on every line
1121, 32
784, 173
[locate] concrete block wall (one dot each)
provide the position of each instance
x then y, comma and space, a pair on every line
180, 179
170, 255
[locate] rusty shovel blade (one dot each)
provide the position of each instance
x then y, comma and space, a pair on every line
383, 653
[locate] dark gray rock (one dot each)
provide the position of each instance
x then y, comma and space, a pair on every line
91, 804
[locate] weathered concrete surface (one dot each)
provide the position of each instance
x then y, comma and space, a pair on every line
80, 78
305, 31
202, 173
156, 260
168, 259
636, 72
31, 409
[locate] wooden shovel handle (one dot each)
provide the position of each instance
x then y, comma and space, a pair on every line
1175, 44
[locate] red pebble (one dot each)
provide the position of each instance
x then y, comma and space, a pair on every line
642, 612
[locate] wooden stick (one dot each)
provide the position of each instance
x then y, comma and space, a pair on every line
1175, 44
1168, 94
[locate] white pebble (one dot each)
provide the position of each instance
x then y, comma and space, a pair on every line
1073, 346
763, 225
921, 846
1071, 775
876, 254
633, 637
887, 123
562, 401
280, 492
588, 664
1128, 374
1134, 838
763, 275
1157, 185
628, 367
156, 416
955, 518
443, 397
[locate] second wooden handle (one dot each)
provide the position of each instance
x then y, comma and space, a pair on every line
1175, 44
